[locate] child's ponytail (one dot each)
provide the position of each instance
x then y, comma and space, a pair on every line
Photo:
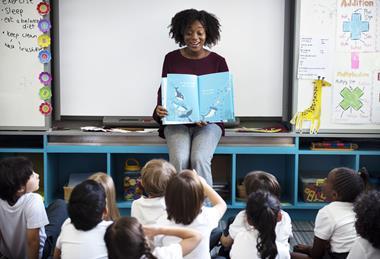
262, 210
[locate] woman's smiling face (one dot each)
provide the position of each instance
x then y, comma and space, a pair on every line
195, 37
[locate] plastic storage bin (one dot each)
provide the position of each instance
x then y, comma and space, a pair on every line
312, 189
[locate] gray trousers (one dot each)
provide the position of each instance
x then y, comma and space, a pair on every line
193, 147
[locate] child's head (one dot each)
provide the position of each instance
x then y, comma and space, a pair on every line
263, 212
184, 197
155, 176
87, 205
204, 25
260, 180
344, 184
109, 187
125, 239
17, 178
367, 209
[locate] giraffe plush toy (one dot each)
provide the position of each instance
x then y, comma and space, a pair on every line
313, 113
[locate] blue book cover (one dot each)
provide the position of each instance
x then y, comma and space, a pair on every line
191, 98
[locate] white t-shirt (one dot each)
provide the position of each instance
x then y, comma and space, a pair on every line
336, 222
363, 249
28, 213
283, 228
244, 246
173, 251
148, 210
205, 222
89, 244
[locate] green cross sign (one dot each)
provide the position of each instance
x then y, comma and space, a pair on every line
351, 98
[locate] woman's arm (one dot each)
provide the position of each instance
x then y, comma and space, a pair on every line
190, 238
33, 242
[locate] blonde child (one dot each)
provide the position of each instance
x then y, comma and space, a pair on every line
109, 187
127, 239
259, 239
254, 181
184, 197
334, 232
155, 177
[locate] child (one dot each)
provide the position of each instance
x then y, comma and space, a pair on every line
109, 186
82, 235
334, 232
259, 240
125, 239
367, 209
155, 177
184, 197
192, 145
254, 181
22, 213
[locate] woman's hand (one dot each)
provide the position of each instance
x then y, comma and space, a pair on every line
161, 111
201, 123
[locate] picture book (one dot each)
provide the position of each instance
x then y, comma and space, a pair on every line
190, 98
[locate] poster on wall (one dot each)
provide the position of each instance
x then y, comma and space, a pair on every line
352, 97
356, 25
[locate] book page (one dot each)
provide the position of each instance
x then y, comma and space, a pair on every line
181, 99
216, 97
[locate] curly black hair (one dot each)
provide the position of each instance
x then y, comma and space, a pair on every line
182, 20
367, 209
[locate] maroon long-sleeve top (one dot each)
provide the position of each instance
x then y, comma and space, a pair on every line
176, 63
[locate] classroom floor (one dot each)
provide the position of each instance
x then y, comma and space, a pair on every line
303, 233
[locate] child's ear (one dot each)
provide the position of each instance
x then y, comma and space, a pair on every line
334, 195
279, 216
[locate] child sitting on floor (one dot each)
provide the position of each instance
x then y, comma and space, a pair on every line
334, 232
155, 177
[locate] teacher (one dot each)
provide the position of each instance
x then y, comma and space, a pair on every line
191, 146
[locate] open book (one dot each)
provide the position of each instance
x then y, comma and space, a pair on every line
191, 98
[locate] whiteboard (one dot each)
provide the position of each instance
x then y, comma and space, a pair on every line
318, 19
111, 53
20, 66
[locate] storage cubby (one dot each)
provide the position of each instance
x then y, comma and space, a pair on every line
61, 165
21, 141
221, 168
312, 166
372, 164
282, 166
117, 171
363, 144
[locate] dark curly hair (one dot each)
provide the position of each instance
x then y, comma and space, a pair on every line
367, 209
182, 20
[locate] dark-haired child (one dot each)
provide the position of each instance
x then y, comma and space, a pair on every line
82, 234
367, 209
259, 240
192, 145
127, 239
155, 176
26, 229
255, 181
334, 232
184, 198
